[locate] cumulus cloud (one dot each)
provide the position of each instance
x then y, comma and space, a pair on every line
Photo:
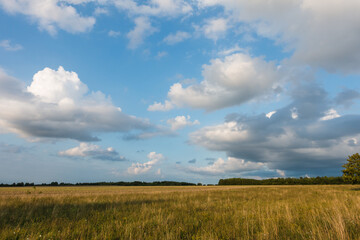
8, 46
93, 151
179, 36
58, 105
141, 30
181, 122
302, 26
50, 15
161, 106
140, 168
316, 139
228, 81
231, 165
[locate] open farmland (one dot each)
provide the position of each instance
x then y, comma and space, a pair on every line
212, 212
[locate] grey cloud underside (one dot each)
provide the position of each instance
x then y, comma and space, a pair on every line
105, 156
295, 143
347, 97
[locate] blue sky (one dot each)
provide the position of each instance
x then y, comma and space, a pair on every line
124, 90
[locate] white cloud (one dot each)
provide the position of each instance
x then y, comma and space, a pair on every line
114, 34
141, 30
231, 165
303, 26
139, 168
157, 8
181, 122
141, 13
8, 46
77, 2
215, 28
100, 11
50, 15
280, 172
93, 151
330, 114
231, 51
294, 113
58, 105
59, 86
161, 107
225, 133
233, 80
179, 36
268, 115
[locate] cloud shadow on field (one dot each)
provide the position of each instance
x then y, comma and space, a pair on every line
42, 211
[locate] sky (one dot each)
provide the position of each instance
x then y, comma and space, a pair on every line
180, 90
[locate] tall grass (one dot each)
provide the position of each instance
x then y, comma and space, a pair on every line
219, 212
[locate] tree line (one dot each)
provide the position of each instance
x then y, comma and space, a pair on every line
230, 181
284, 181
135, 183
351, 175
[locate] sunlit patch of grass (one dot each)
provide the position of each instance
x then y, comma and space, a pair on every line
217, 212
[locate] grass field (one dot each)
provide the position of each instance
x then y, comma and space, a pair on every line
216, 212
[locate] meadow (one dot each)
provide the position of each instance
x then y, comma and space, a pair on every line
189, 212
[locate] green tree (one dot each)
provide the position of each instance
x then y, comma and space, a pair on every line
351, 173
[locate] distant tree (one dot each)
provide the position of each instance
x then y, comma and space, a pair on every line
351, 173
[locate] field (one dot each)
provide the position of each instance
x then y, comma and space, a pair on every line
211, 212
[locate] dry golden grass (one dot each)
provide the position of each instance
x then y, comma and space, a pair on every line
217, 212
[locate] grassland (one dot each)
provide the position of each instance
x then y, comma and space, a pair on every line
216, 212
